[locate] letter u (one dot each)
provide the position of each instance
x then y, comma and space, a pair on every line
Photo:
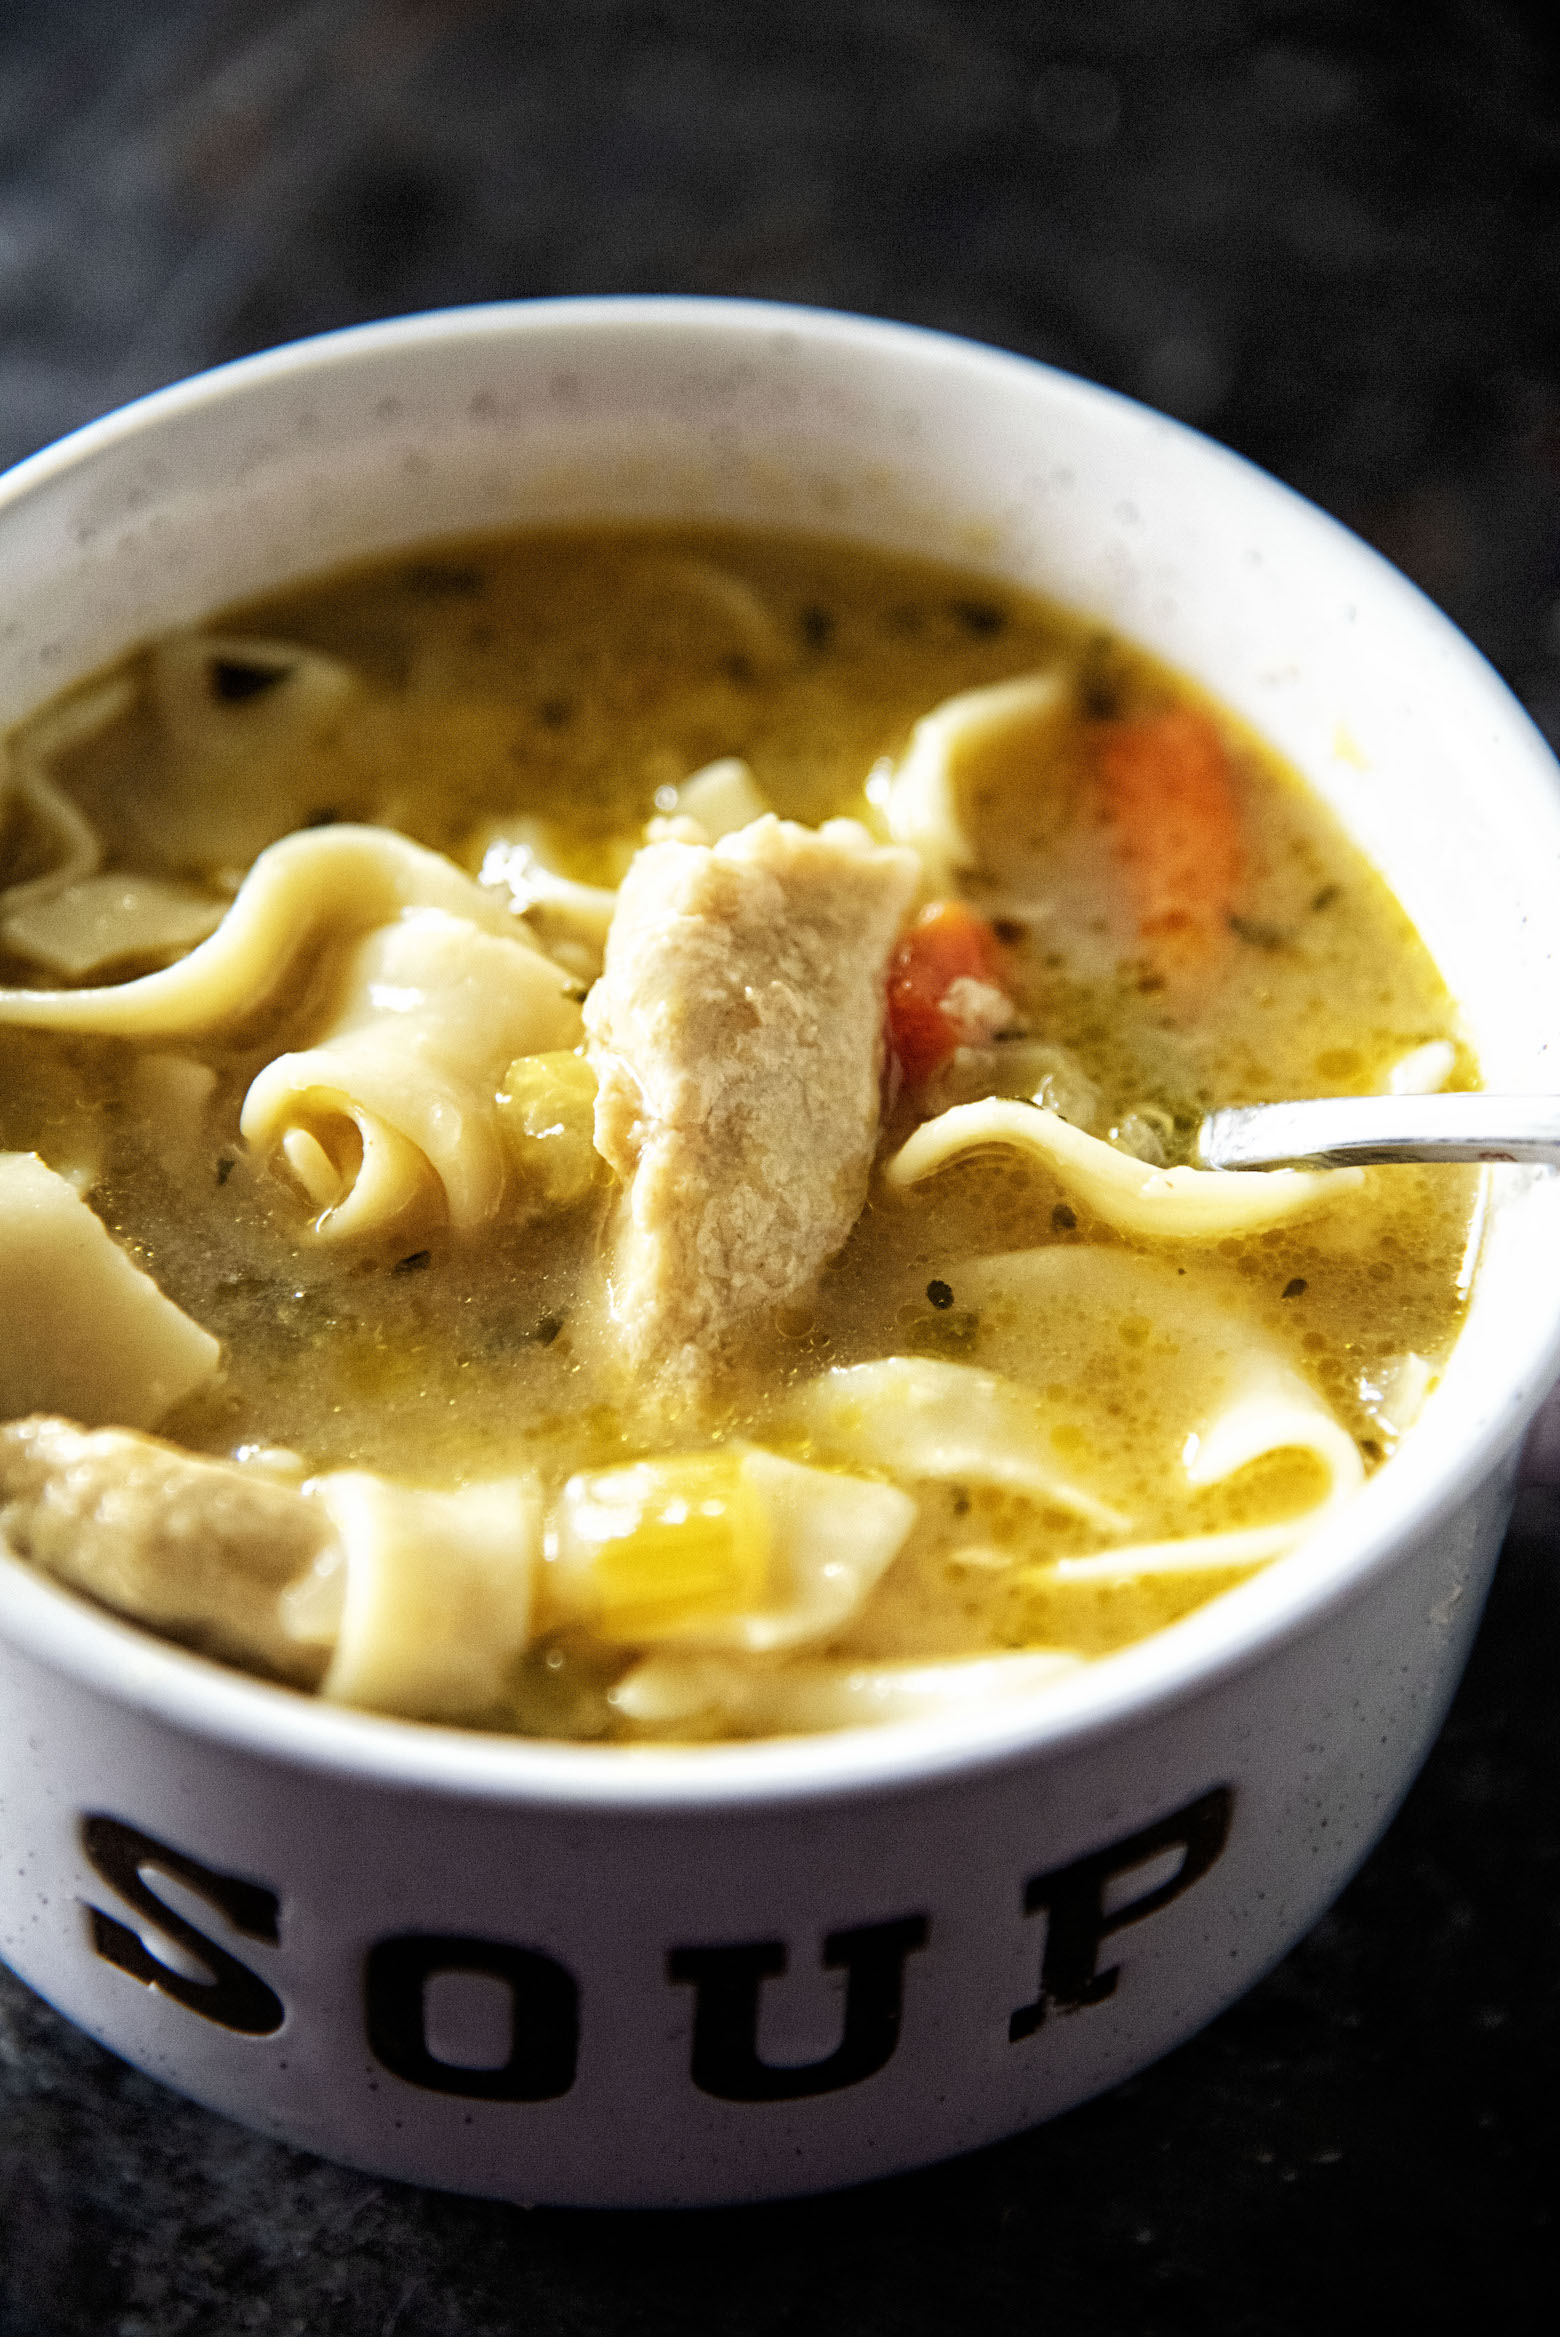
727, 1980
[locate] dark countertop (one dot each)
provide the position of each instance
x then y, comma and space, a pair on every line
1333, 243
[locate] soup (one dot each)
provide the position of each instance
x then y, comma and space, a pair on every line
594, 1138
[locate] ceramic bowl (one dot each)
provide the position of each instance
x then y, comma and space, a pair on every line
578, 1974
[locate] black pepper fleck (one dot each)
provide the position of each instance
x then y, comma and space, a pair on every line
414, 1264
981, 618
939, 1294
1296, 1288
232, 683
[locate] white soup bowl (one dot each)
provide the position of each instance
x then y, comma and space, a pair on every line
580, 1974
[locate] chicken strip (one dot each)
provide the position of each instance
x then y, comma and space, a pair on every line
737, 1038
201, 1549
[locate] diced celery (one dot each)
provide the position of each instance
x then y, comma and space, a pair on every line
644, 1551
546, 1110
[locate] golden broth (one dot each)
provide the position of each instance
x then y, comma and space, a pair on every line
573, 676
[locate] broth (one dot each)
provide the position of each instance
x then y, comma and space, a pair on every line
546, 696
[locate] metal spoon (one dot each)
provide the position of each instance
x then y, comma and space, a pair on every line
1348, 1131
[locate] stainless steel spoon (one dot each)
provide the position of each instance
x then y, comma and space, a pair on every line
1348, 1131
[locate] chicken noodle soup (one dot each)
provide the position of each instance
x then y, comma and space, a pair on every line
594, 1140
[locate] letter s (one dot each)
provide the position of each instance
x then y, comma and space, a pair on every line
234, 1997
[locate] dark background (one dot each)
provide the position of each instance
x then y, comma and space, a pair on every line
1327, 234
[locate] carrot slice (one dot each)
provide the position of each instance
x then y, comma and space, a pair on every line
1177, 834
947, 944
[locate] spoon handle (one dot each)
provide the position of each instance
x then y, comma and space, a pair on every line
1351, 1130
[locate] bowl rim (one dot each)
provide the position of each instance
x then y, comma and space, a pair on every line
1421, 1489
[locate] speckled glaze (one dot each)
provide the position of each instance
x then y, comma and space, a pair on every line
575, 1975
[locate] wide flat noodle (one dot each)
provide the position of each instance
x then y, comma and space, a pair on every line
1102, 1320
923, 1418
403, 1089
1394, 1392
326, 883
99, 921
1423, 1070
436, 1601
86, 1333
711, 802
244, 720
569, 919
68, 839
701, 1694
923, 799
1177, 1204
1278, 1415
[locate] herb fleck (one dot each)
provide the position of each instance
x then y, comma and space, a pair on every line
414, 1264
232, 683
1257, 935
1063, 1219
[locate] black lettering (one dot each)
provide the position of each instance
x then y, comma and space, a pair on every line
1074, 1900
544, 2016
725, 2012
234, 1997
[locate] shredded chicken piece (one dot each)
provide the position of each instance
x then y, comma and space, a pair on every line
198, 1548
737, 1038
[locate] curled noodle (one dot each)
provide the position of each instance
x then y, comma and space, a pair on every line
1177, 1204
323, 884
403, 1088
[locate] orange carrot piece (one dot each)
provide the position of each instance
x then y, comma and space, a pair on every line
947, 943
1177, 833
